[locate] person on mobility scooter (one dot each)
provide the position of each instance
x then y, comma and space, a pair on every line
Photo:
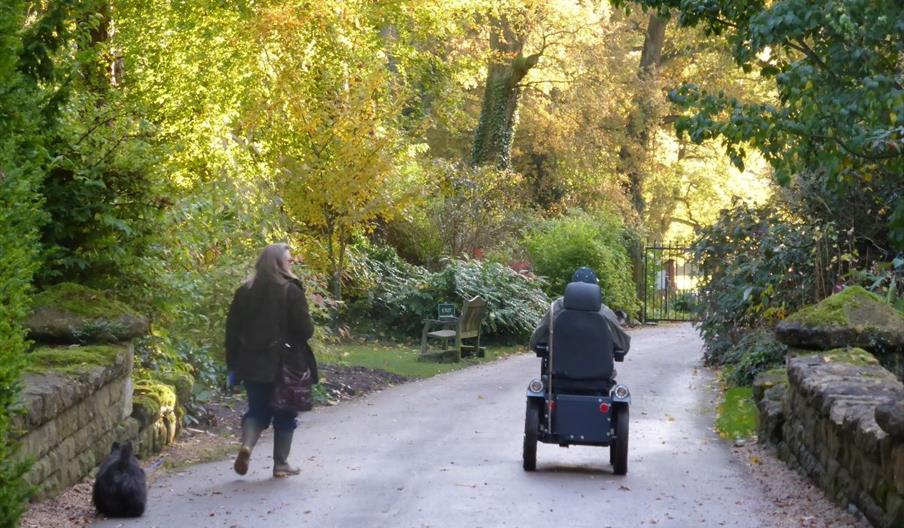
621, 341
576, 400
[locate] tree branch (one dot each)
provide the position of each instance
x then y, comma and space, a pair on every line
548, 81
802, 47
690, 223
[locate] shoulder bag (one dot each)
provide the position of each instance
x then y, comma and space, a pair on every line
292, 387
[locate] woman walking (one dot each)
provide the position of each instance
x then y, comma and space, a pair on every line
268, 323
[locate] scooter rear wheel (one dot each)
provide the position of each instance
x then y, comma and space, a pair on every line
531, 427
618, 450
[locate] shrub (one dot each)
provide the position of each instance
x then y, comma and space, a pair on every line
417, 238
757, 351
757, 265
402, 294
21, 156
885, 279
101, 195
475, 210
18, 258
560, 246
685, 302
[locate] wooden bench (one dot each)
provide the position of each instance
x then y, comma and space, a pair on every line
467, 326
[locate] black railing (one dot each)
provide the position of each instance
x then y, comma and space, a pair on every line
670, 282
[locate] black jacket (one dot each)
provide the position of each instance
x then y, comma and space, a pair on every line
265, 321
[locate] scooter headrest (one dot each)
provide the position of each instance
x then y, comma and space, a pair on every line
582, 296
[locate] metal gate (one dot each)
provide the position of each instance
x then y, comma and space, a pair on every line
669, 282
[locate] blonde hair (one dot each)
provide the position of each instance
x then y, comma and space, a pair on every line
271, 265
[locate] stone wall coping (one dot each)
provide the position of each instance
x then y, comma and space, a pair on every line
846, 393
46, 394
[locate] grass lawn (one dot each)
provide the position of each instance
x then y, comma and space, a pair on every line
402, 359
737, 414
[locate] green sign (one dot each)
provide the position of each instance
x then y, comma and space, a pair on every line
446, 310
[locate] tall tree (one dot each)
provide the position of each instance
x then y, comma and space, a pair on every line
326, 115
499, 113
642, 122
99, 191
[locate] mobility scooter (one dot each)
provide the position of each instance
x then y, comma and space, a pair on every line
576, 400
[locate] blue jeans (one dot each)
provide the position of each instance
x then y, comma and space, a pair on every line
259, 408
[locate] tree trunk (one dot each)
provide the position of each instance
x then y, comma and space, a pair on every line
499, 113
642, 119
329, 231
633, 154
340, 265
98, 70
651, 56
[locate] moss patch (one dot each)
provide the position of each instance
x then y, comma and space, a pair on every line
162, 393
852, 356
71, 313
145, 409
180, 382
737, 414
72, 360
150, 399
847, 308
771, 378
82, 301
780, 374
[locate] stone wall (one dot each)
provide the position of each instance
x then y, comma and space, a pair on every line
70, 418
835, 412
829, 431
78, 395
157, 408
852, 318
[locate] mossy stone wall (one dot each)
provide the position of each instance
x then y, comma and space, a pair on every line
822, 418
831, 431
72, 313
837, 411
79, 397
851, 318
74, 404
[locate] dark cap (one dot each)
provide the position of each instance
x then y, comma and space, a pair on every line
584, 274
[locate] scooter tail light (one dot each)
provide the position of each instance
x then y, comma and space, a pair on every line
552, 406
604, 407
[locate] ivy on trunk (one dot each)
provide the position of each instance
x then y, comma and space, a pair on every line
499, 113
